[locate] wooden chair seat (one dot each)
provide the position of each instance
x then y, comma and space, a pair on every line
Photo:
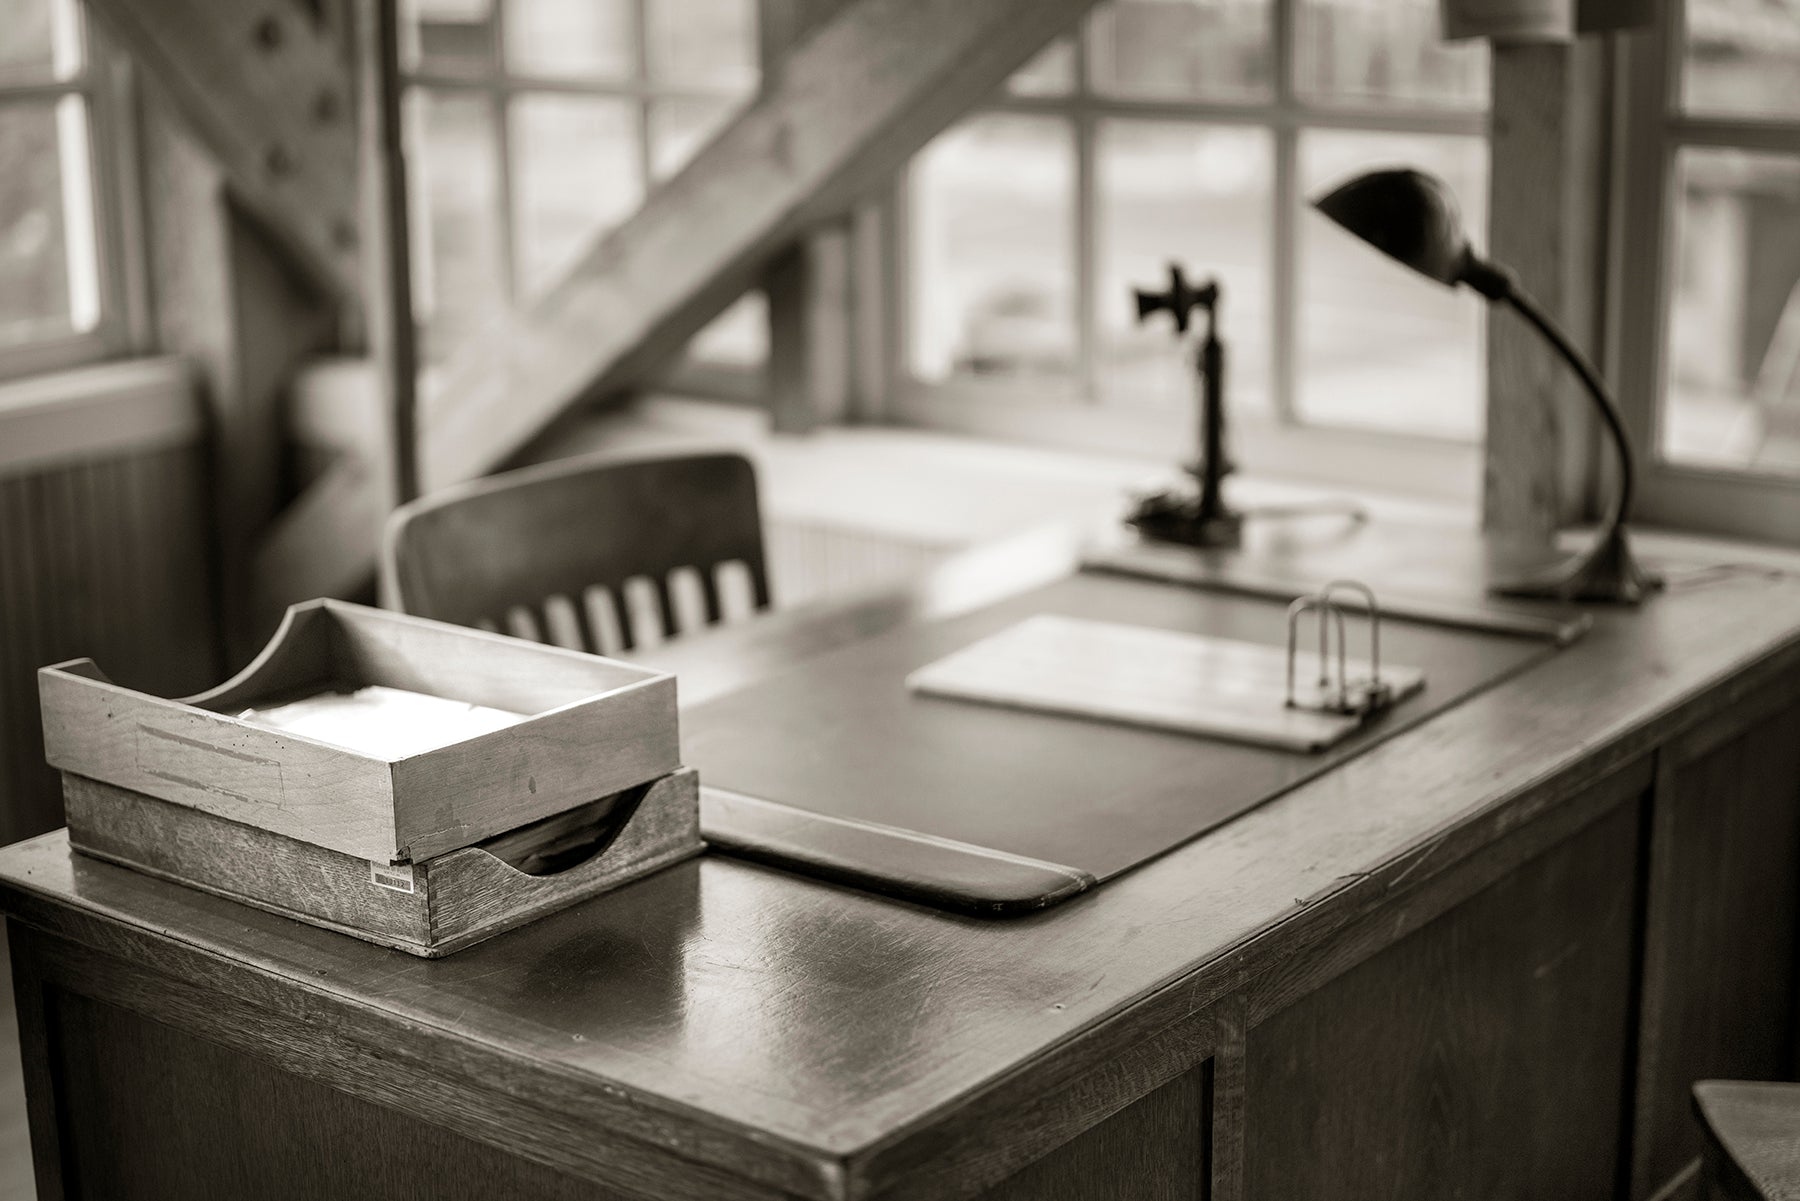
1752, 1131
599, 554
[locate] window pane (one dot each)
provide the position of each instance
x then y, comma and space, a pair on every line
592, 38
703, 43
575, 174
1201, 196
49, 283
1388, 51
453, 186
1181, 49
1380, 346
1734, 330
993, 268
39, 39
680, 126
738, 337
1742, 58
447, 36
1051, 73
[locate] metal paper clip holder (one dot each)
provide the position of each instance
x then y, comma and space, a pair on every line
1344, 686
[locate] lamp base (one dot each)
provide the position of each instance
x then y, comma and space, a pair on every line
1607, 574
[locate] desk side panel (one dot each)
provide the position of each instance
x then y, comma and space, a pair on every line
151, 1111
1722, 926
144, 1086
1481, 1056
1155, 1149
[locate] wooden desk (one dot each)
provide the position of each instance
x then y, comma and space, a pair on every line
1486, 958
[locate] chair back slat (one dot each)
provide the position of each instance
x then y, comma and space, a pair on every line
687, 594
604, 626
563, 625
606, 555
643, 611
737, 593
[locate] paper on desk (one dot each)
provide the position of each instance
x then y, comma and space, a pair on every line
388, 723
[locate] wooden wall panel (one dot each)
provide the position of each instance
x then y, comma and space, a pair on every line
1719, 960
1152, 1150
107, 558
165, 1114
1479, 1057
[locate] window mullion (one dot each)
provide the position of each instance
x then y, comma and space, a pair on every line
504, 202
118, 198
1285, 269
640, 17
1642, 252
1284, 276
500, 97
1087, 203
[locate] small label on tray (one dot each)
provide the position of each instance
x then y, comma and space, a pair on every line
387, 875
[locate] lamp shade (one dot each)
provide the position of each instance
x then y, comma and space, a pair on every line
1406, 214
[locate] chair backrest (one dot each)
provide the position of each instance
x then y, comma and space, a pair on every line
597, 554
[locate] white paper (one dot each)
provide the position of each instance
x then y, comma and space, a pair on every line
388, 723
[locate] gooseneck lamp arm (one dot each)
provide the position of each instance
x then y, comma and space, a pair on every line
1526, 307
1412, 217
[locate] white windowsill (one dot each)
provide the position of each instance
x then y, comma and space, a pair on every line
95, 412
924, 486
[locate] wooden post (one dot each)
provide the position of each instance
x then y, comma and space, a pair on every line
387, 264
810, 336
1547, 209
323, 544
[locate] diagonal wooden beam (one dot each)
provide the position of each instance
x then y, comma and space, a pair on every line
268, 90
851, 104
853, 101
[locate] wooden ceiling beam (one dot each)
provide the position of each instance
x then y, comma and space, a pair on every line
267, 87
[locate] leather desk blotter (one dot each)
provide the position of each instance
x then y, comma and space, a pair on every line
837, 768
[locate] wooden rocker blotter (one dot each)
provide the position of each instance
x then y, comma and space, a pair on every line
412, 783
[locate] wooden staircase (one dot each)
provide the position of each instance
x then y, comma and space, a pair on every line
852, 100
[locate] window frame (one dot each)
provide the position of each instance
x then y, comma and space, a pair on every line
1712, 499
499, 84
1429, 464
106, 85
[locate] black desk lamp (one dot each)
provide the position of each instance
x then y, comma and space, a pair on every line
1412, 217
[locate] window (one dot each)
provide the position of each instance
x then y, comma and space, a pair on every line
1711, 287
61, 288
1194, 130
533, 126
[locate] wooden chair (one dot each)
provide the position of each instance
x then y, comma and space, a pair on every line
1752, 1139
595, 554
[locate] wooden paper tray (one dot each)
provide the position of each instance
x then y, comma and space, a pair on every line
430, 908
592, 727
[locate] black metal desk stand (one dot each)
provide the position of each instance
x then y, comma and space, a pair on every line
1201, 516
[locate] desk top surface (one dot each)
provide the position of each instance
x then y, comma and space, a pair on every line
798, 1030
